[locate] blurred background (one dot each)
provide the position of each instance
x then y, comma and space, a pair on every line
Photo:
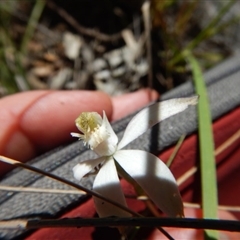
113, 46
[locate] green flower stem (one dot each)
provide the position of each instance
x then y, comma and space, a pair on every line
207, 159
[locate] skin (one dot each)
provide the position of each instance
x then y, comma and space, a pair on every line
37, 121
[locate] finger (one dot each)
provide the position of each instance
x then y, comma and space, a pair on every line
39, 120
128, 103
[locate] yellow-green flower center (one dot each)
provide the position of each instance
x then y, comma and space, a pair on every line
88, 121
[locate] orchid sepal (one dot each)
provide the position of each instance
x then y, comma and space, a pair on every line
83, 168
150, 116
108, 185
154, 177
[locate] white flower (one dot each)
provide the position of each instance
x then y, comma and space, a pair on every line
147, 170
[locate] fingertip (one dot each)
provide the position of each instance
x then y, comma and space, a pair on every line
128, 103
154, 95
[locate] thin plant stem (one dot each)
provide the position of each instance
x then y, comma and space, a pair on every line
220, 207
75, 192
194, 223
174, 153
40, 190
147, 26
219, 150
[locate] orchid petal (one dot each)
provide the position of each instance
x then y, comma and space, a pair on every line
81, 169
107, 184
154, 177
109, 142
109, 129
152, 115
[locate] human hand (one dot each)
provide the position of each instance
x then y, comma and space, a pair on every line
36, 121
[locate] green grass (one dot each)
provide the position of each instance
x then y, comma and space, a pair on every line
206, 144
12, 53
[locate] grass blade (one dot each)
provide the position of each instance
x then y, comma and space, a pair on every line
207, 159
32, 23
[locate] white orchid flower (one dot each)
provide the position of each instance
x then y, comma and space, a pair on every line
147, 170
